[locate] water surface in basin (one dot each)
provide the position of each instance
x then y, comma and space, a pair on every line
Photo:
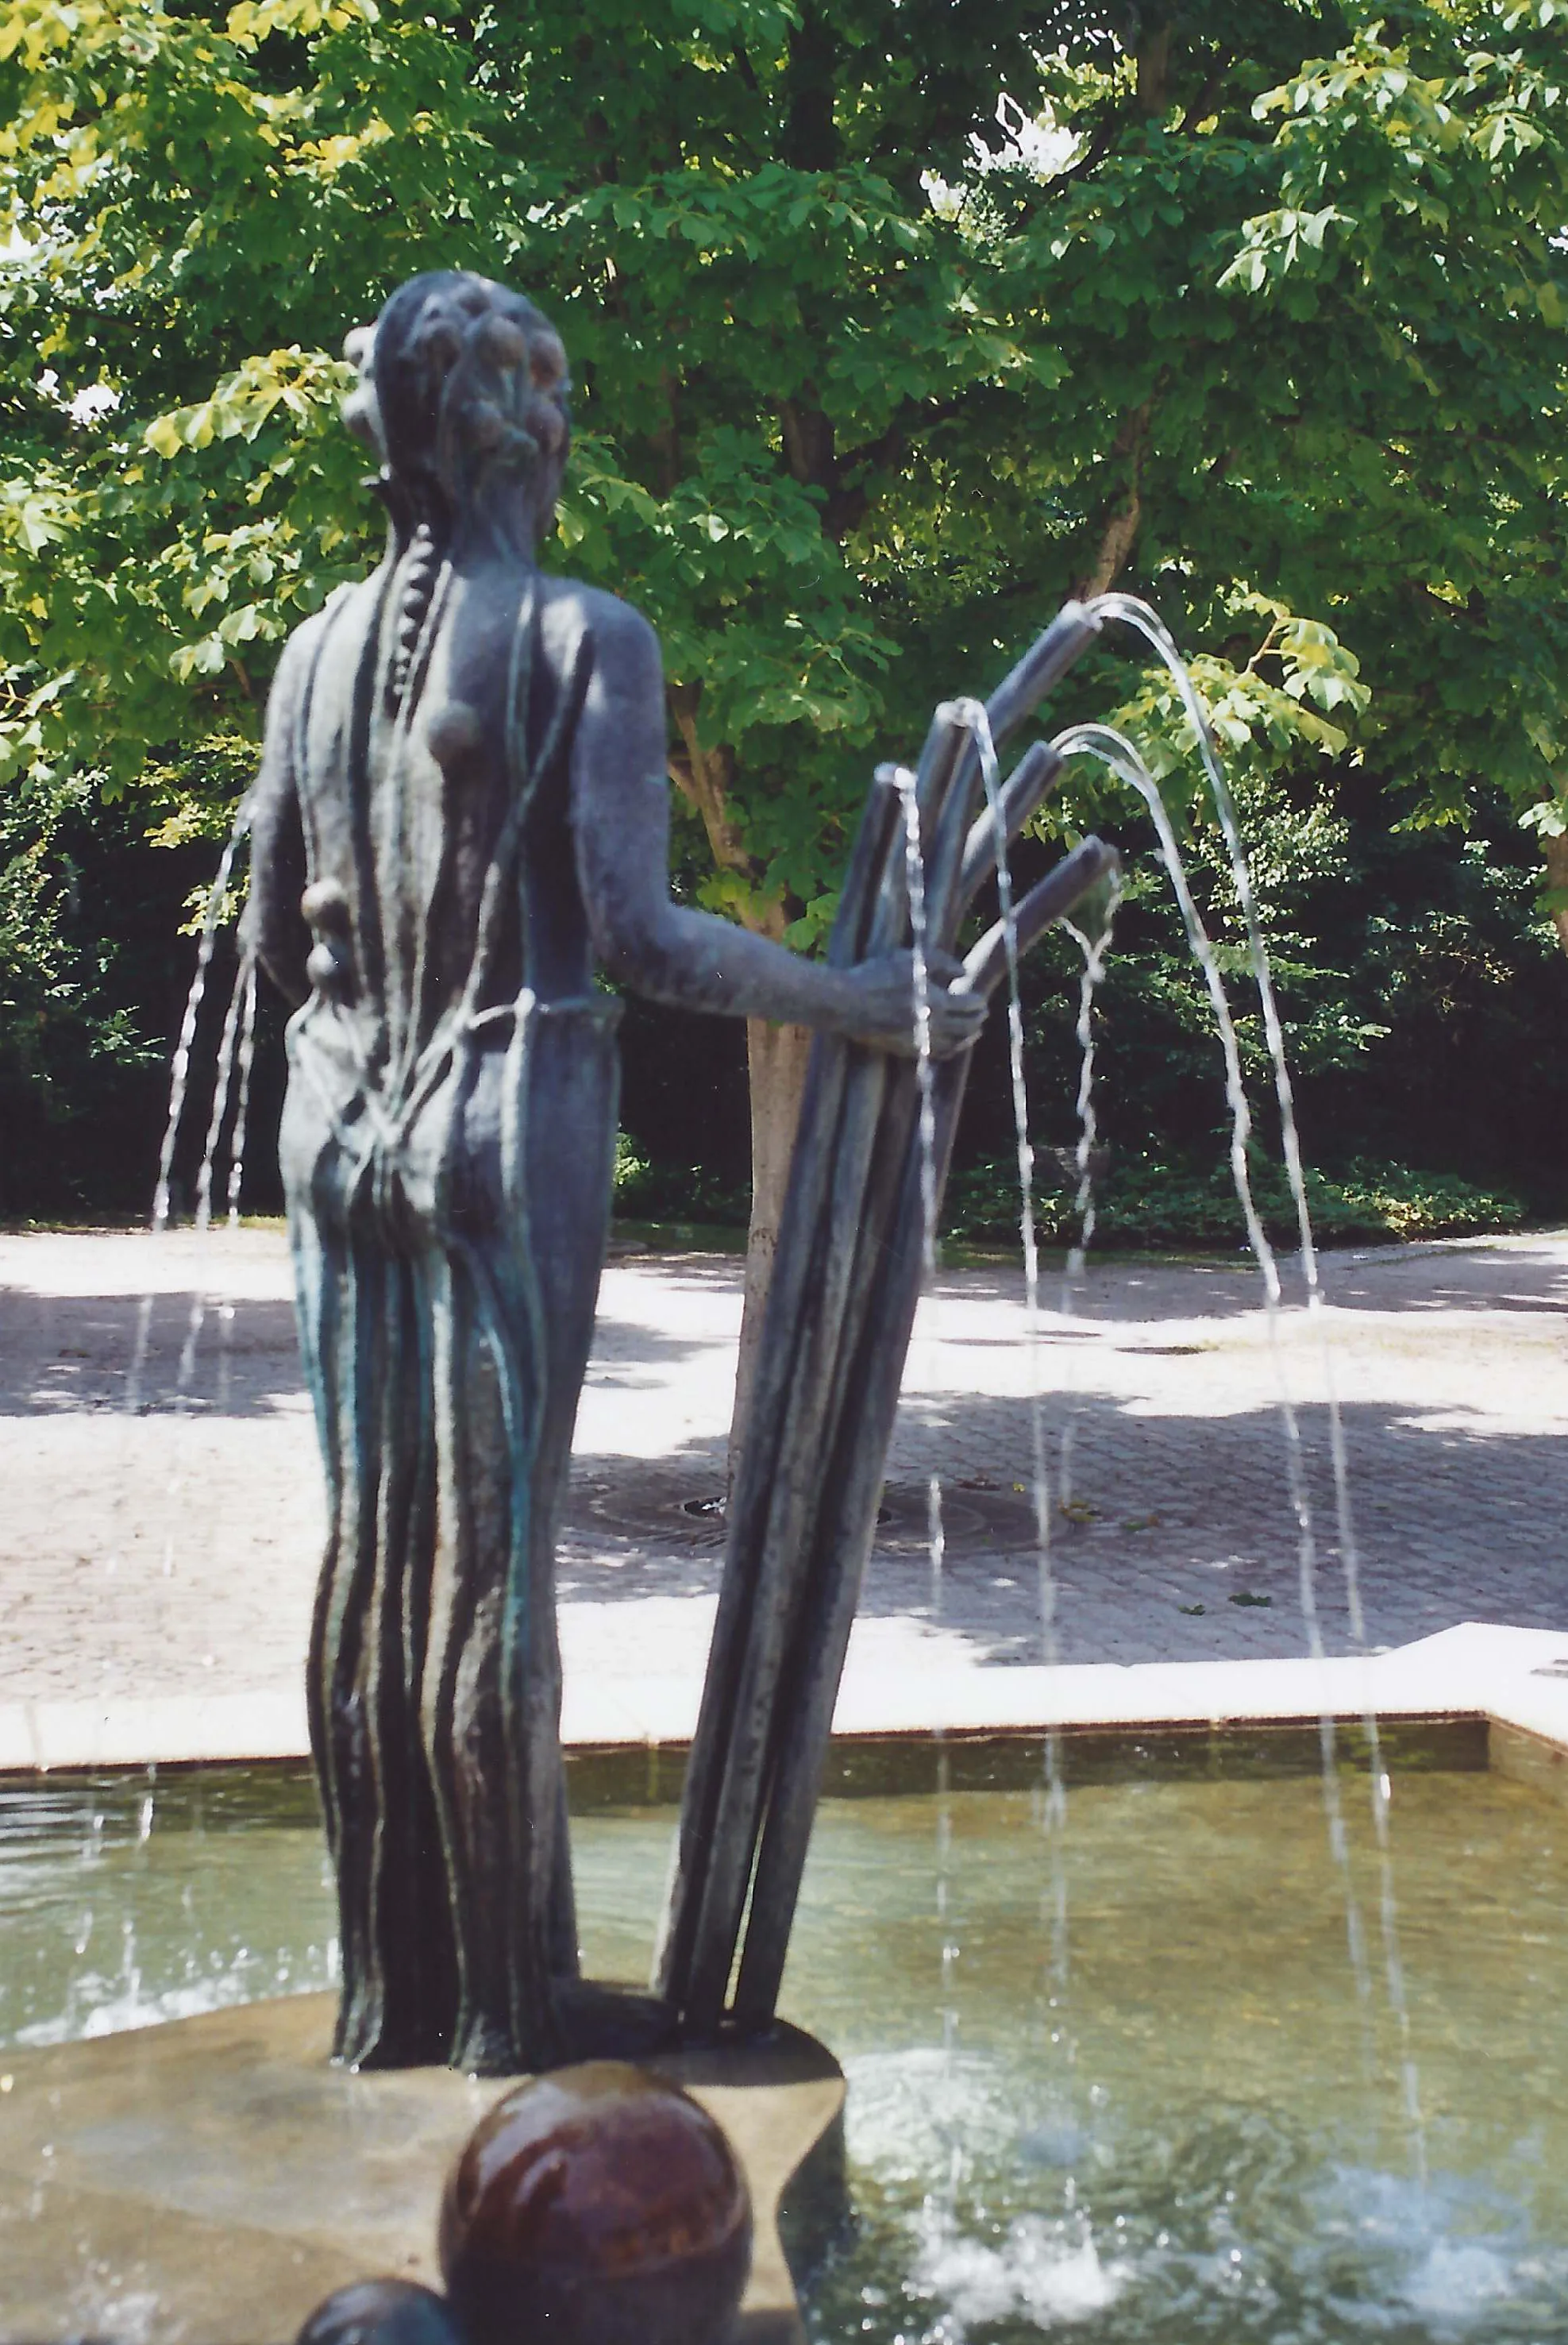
1111, 2072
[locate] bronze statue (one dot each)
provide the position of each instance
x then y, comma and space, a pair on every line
462, 806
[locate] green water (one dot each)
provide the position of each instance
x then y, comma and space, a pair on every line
1113, 2073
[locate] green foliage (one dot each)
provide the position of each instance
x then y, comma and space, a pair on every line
32, 948
860, 375
892, 323
1146, 1201
78, 1072
1422, 996
669, 1193
48, 987
630, 1167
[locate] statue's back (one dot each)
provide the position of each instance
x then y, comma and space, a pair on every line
447, 1146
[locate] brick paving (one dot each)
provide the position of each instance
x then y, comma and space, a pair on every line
164, 1541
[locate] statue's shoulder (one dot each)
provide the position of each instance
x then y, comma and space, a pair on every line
303, 646
575, 616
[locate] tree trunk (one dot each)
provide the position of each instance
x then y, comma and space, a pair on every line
1120, 531
775, 1055
1154, 71
776, 1059
1555, 850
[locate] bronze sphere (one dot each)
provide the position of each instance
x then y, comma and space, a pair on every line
596, 2205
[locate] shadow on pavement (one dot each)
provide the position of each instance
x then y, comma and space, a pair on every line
1171, 1536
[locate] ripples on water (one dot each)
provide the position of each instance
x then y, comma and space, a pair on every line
1224, 2225
126, 1900
1217, 2162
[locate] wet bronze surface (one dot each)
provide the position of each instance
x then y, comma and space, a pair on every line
381, 2312
597, 2202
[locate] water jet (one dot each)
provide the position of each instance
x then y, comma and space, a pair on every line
457, 816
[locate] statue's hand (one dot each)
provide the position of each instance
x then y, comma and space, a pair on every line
885, 1006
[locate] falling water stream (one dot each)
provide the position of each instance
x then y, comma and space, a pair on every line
233, 1084
242, 1106
179, 1079
1113, 750
247, 979
1147, 622
237, 1045
1053, 1802
1100, 742
228, 1043
936, 1543
1095, 948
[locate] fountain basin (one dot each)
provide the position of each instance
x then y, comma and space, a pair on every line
215, 2178
1118, 2073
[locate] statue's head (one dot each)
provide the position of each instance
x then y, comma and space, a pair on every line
462, 393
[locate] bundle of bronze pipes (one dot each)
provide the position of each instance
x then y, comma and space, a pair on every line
847, 1275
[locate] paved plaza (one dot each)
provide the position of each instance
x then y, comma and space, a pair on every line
161, 1522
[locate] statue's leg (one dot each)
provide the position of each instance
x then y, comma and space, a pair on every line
366, 1349
562, 1157
408, 1924
425, 1913
461, 1709
337, 1319
363, 1716
316, 1304
512, 1334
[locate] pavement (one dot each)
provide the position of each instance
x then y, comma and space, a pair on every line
161, 1517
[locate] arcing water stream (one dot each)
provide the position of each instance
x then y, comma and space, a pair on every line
238, 1034
236, 1057
1120, 755
906, 784
1139, 616
236, 1047
1114, 751
1147, 623
179, 1079
1093, 948
1054, 1810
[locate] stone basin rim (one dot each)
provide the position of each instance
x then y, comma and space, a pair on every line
1478, 1670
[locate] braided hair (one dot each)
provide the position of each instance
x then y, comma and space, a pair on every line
462, 391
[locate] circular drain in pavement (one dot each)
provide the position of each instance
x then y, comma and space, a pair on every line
653, 1504
971, 1523
705, 1509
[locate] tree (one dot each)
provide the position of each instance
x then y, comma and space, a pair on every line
892, 323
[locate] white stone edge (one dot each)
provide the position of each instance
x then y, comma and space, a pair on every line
1478, 1669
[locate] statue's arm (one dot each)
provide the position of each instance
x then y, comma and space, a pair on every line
621, 811
274, 927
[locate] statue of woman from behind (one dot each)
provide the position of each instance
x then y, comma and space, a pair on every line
462, 804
